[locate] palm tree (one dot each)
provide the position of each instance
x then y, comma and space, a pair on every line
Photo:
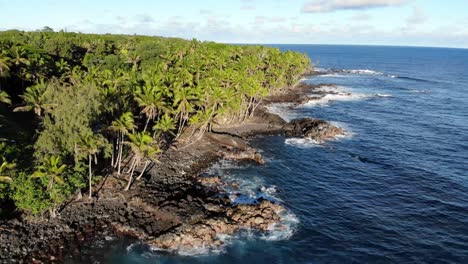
62, 66
4, 63
35, 99
38, 68
185, 99
151, 101
4, 98
89, 147
50, 172
123, 125
215, 97
4, 167
142, 146
165, 124
19, 56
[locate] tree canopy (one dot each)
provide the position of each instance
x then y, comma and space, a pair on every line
72, 104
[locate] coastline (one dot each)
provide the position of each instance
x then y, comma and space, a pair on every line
173, 201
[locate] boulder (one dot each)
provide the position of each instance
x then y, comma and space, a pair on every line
227, 141
248, 154
315, 129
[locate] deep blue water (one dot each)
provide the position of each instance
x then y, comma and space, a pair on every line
395, 190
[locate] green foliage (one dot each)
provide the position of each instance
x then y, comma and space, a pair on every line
4, 98
7, 171
28, 194
74, 112
35, 99
89, 92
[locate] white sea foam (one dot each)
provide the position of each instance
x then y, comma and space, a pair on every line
339, 96
383, 95
269, 190
348, 131
302, 142
338, 93
334, 75
419, 91
283, 230
252, 187
341, 72
318, 69
306, 143
364, 72
131, 246
283, 110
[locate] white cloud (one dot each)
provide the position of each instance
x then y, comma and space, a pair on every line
323, 6
144, 19
361, 17
248, 7
205, 12
261, 20
418, 17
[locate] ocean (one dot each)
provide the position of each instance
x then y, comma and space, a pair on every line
393, 190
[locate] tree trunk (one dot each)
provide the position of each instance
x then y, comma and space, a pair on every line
143, 171
113, 153
120, 153
130, 177
90, 177
146, 125
255, 107
131, 165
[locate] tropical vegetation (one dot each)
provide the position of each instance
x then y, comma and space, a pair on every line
76, 106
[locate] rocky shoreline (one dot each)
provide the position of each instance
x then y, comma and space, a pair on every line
173, 208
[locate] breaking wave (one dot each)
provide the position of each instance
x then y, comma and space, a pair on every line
341, 72
302, 142
283, 110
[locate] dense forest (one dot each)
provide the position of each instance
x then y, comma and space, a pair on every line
74, 106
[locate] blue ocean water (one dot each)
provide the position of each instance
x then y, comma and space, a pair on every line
394, 190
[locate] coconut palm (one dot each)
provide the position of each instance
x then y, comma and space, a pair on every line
150, 99
185, 99
62, 66
215, 97
89, 147
4, 63
4, 97
123, 125
50, 171
143, 147
165, 124
18, 54
35, 99
4, 168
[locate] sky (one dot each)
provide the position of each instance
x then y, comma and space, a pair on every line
434, 23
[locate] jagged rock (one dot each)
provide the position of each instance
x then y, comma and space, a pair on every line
315, 129
248, 154
258, 216
172, 208
228, 141
213, 207
210, 181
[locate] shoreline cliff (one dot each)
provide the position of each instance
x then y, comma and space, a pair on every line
173, 208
